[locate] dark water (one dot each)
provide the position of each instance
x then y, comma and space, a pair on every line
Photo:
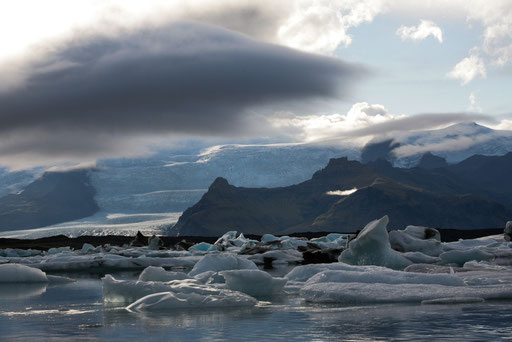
75, 312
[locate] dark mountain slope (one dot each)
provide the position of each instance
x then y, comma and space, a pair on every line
437, 197
55, 197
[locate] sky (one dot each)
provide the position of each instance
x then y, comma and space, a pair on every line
90, 79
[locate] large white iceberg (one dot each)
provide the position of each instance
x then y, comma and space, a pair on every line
253, 282
372, 247
221, 262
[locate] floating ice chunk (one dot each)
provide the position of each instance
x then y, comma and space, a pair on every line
423, 233
153, 273
57, 250
453, 300
16, 273
14, 253
420, 258
224, 239
290, 242
287, 256
210, 277
402, 241
173, 300
128, 291
221, 262
253, 282
203, 247
460, 257
366, 293
472, 243
154, 243
372, 247
305, 272
508, 231
88, 248
269, 238
385, 276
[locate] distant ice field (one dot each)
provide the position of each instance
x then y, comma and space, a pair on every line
103, 224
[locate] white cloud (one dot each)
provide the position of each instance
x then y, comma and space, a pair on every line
473, 105
423, 30
468, 69
321, 26
496, 17
310, 128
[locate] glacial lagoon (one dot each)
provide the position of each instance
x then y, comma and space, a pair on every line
75, 311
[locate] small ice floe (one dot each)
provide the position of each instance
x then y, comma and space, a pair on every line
173, 300
153, 273
460, 257
221, 262
253, 282
412, 239
287, 256
16, 273
372, 247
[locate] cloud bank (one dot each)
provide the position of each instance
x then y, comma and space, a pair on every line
97, 93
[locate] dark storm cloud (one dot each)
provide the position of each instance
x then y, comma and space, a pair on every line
186, 78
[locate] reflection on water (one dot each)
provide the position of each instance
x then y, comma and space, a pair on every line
75, 312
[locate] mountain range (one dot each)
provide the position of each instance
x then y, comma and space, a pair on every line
170, 181
475, 193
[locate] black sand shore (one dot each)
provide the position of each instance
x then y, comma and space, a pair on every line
46, 243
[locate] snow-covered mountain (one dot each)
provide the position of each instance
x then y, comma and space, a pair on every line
454, 143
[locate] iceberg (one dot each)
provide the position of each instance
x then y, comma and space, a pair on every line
253, 282
221, 262
372, 247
